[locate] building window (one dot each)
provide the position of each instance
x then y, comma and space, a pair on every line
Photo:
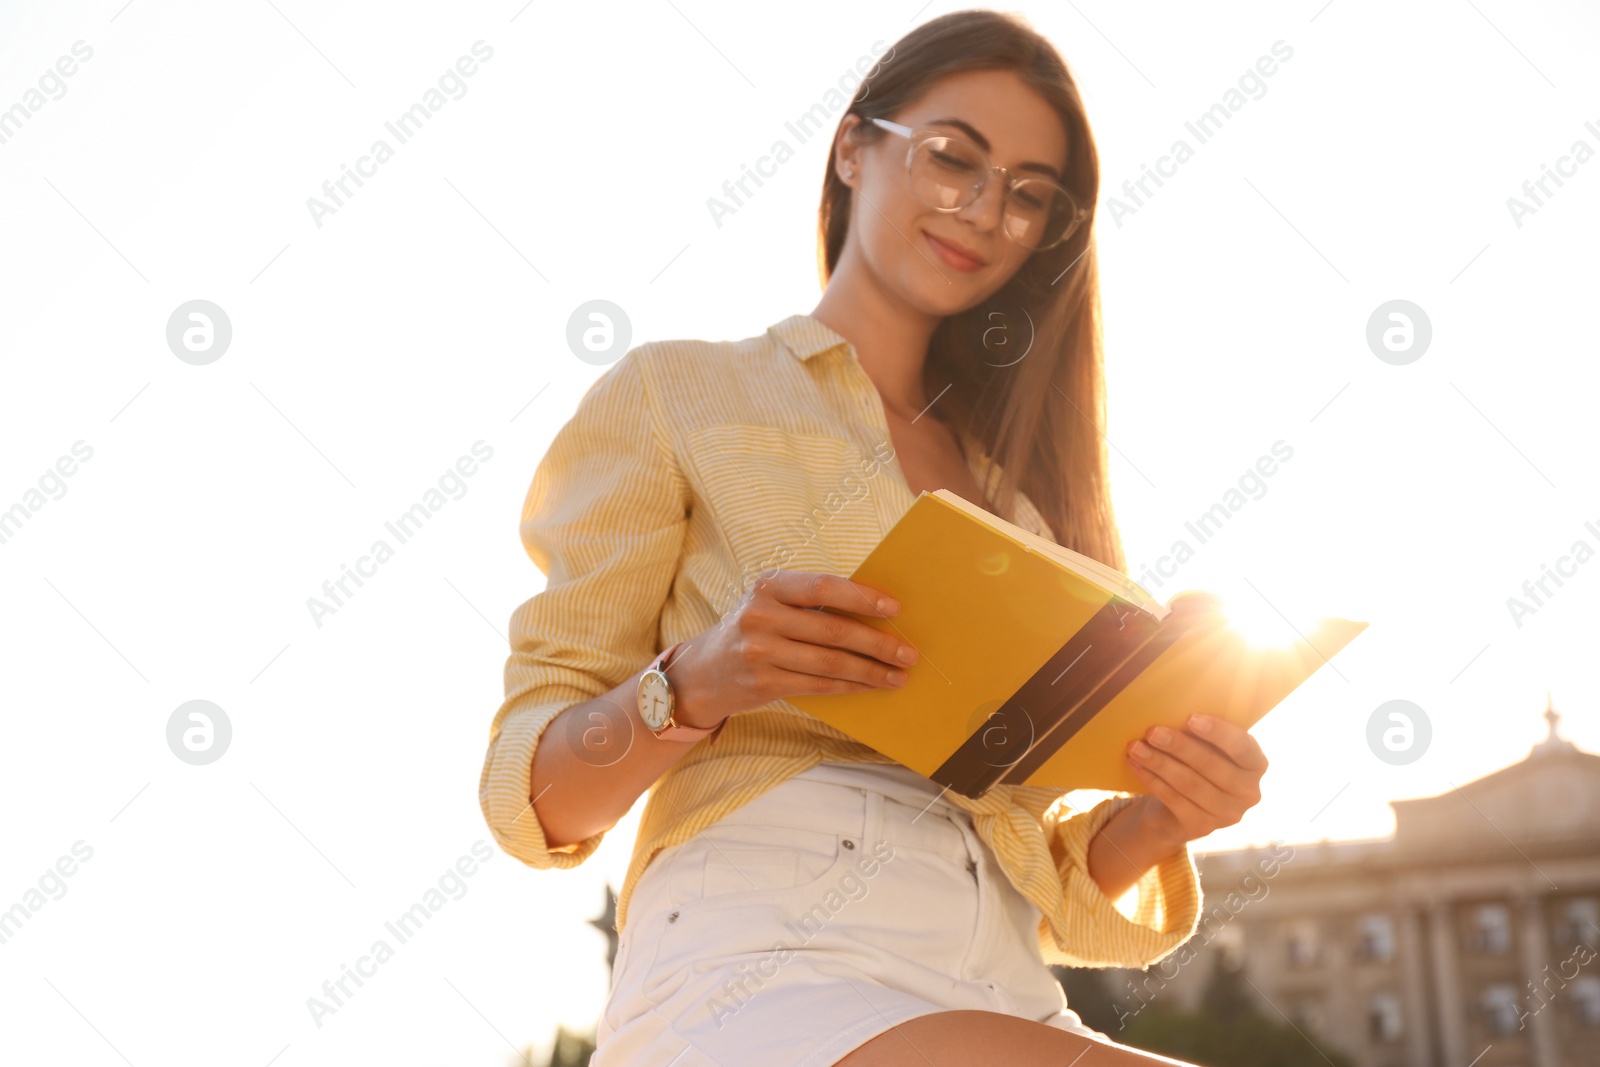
1229, 941
1310, 1014
1376, 939
1580, 922
1383, 1017
1491, 929
1586, 1000
1301, 943
1499, 1005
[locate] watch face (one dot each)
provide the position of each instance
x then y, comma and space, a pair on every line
655, 699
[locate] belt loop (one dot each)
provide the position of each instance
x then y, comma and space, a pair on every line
872, 821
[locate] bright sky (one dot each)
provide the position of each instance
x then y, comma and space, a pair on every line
428, 313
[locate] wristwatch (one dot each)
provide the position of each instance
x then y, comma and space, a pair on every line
657, 702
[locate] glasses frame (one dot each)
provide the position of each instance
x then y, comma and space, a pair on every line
925, 133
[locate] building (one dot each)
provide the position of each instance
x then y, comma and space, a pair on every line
1469, 937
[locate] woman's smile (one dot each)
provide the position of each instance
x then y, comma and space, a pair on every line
955, 255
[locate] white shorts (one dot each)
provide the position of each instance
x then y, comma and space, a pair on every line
839, 903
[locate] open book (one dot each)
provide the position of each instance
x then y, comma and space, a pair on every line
1039, 665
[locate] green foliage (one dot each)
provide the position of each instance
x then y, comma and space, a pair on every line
1227, 1031
570, 1049
1089, 995
1253, 1041
1226, 997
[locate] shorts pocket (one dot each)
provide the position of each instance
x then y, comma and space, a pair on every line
734, 869
738, 861
734, 897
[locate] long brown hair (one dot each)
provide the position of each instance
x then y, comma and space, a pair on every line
1042, 416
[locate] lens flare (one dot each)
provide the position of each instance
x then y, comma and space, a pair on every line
1258, 622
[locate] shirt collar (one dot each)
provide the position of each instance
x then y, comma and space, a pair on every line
805, 336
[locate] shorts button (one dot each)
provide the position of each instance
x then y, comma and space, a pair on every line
849, 843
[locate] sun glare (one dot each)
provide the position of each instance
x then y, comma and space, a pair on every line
1258, 622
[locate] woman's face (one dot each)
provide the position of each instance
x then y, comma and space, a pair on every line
917, 252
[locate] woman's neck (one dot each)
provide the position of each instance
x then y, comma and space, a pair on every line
890, 339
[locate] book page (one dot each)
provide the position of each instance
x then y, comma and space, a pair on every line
1107, 578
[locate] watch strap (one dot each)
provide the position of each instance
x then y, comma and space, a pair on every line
672, 730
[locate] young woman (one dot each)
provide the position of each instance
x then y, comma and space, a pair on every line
794, 897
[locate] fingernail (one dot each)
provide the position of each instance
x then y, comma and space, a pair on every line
1140, 749
907, 654
1160, 735
888, 605
897, 677
1201, 723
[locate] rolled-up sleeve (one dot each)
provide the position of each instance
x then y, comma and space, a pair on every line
1097, 933
604, 519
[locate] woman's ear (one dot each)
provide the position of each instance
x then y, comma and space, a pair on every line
846, 153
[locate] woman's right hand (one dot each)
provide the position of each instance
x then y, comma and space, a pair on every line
775, 644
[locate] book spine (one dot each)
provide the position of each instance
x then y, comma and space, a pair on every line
1165, 635
1006, 738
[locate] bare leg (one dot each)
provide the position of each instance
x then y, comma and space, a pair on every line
963, 1038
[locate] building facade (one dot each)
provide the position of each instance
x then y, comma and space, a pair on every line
1470, 938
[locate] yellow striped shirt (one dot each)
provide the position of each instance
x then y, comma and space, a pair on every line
688, 468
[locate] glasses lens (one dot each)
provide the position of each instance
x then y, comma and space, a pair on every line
1040, 213
948, 174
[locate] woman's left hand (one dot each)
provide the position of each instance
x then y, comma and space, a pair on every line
1200, 779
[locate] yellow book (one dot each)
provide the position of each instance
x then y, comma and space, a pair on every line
1039, 665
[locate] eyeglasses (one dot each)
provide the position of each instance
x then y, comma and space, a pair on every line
948, 173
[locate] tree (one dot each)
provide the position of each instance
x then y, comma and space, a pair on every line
1228, 1030
571, 1048
1089, 996
1254, 1041
1225, 997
